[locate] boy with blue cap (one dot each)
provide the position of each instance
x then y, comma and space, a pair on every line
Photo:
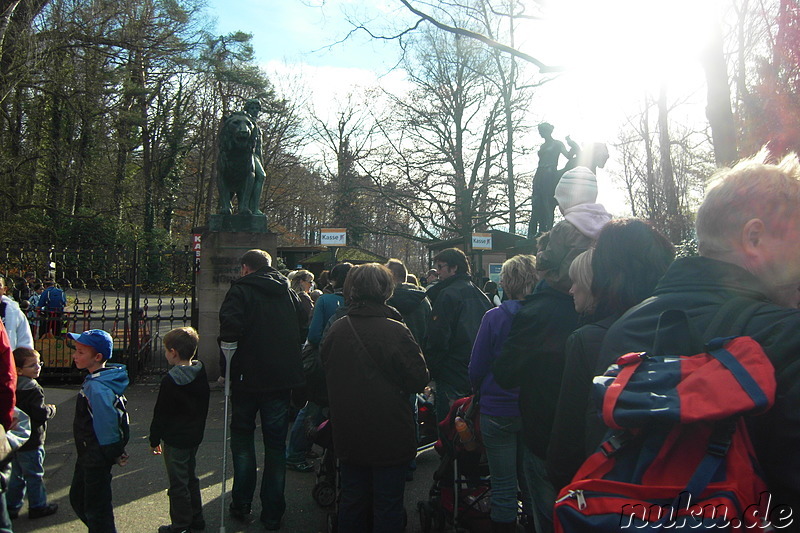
100, 429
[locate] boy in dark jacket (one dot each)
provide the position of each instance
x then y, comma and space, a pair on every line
27, 467
179, 421
100, 428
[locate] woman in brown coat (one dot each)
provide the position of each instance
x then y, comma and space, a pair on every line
372, 364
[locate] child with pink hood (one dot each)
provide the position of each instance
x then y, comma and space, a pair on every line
576, 194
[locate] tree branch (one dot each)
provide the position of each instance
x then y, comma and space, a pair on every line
482, 38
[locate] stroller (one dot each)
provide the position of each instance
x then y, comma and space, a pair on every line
460, 495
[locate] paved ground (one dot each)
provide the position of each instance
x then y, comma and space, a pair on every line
140, 498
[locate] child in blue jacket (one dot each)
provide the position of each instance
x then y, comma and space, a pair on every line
100, 429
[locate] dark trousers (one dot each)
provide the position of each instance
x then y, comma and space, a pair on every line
185, 504
372, 495
273, 408
5, 519
90, 497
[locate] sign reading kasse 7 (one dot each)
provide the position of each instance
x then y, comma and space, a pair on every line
333, 237
481, 241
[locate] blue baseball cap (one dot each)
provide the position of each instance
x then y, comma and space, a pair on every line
98, 339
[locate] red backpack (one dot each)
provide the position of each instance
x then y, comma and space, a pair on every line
678, 455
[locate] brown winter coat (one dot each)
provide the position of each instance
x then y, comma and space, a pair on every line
371, 415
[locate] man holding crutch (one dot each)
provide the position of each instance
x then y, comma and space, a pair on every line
263, 318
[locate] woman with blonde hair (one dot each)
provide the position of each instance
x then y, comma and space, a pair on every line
501, 424
302, 281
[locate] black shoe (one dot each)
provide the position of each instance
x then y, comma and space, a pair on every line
198, 524
13, 514
241, 513
170, 529
271, 525
40, 512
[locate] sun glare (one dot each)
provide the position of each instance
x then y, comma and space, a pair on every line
618, 50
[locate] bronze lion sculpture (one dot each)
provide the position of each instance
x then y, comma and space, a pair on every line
236, 165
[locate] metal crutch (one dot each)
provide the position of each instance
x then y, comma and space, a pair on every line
228, 349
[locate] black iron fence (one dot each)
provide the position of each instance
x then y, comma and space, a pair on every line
137, 294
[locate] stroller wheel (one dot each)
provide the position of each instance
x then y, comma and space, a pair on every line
425, 516
324, 494
333, 523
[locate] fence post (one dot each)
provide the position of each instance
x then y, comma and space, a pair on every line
133, 346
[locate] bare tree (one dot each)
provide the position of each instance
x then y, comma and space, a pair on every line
438, 164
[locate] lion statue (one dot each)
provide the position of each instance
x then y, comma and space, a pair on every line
239, 166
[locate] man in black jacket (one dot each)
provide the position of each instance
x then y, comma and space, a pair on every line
748, 233
458, 308
410, 300
264, 316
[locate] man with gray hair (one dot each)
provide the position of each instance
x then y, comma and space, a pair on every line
265, 318
748, 232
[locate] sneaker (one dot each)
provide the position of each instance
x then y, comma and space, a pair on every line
241, 513
40, 512
300, 467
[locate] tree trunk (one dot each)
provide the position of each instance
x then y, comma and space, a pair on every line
718, 107
667, 172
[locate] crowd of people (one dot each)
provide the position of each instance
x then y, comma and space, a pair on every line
592, 292
358, 350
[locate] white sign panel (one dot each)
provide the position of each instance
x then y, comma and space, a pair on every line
333, 237
481, 241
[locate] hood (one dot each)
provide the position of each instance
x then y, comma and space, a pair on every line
113, 376
25, 383
589, 219
373, 309
406, 298
183, 375
266, 280
10, 302
511, 306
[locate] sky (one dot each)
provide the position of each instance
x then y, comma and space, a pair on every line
614, 50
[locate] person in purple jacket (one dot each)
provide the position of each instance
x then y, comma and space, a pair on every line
501, 425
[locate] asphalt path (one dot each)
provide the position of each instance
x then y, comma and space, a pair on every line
140, 488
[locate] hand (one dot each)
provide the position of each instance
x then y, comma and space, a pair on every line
122, 460
53, 407
155, 450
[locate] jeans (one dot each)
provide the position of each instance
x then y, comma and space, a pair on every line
27, 470
299, 443
90, 497
543, 495
372, 495
274, 411
502, 438
185, 504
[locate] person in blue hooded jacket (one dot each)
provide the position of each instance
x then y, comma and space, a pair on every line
100, 429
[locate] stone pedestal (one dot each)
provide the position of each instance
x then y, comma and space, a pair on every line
219, 266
